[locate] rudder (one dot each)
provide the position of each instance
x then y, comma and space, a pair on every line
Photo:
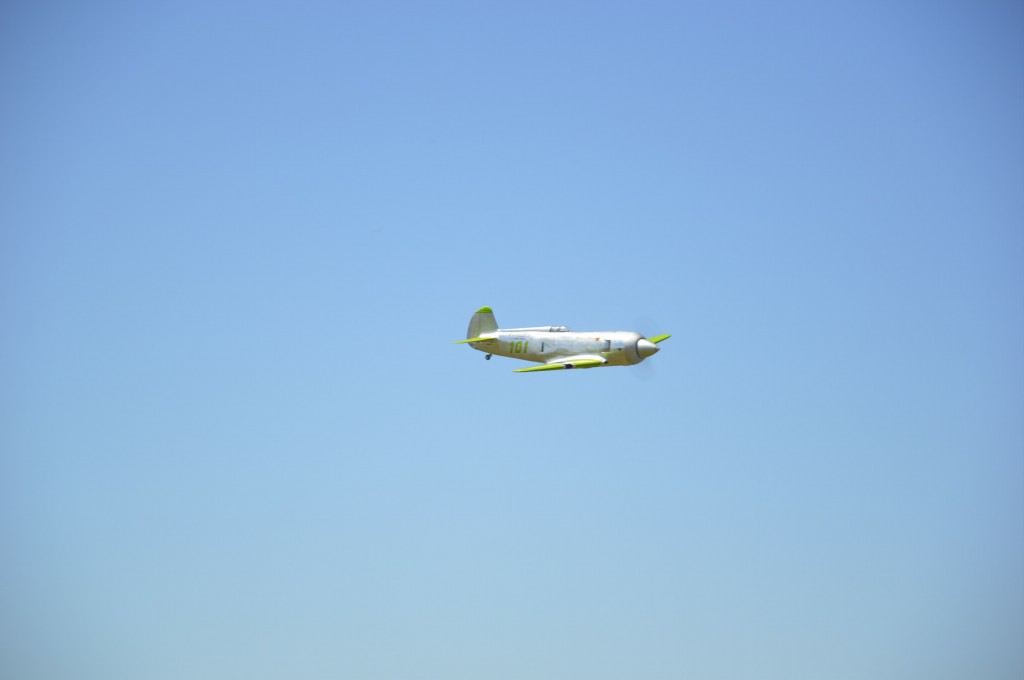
482, 322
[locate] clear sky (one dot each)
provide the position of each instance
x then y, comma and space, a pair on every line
238, 240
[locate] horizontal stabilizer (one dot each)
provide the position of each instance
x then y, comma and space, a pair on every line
481, 339
658, 338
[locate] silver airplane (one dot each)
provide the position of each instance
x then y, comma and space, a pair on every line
556, 347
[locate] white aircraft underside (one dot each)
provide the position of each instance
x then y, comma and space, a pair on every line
556, 347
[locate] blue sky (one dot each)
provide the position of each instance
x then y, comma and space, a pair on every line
237, 242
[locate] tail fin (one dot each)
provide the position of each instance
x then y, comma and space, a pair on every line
482, 322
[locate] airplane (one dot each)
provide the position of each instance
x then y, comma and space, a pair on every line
557, 347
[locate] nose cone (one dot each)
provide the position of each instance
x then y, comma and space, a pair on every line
646, 348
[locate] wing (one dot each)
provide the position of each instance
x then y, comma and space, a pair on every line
582, 361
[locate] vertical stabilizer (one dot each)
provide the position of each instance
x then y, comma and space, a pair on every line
482, 322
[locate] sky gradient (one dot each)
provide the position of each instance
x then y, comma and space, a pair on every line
238, 239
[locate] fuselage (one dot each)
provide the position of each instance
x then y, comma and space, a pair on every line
546, 344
